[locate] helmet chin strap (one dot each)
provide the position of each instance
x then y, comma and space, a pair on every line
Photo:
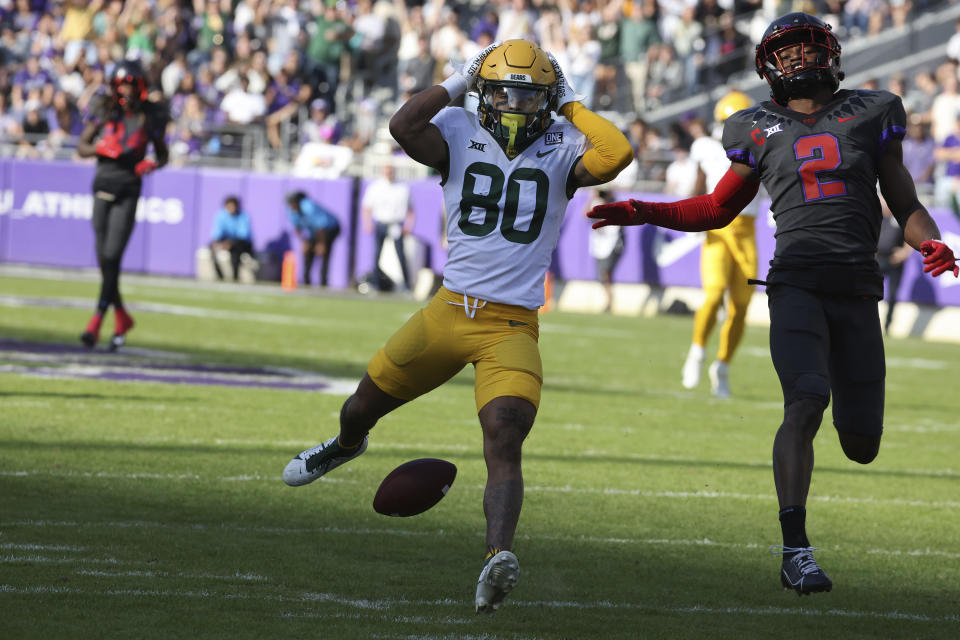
513, 122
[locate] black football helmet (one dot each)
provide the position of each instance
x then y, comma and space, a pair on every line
797, 54
128, 72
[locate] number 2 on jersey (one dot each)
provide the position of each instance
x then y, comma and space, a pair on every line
490, 202
820, 152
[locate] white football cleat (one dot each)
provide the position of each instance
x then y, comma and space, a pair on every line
316, 461
719, 373
498, 577
691, 367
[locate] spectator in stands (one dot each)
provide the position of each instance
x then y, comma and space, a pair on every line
608, 36
583, 54
63, 118
728, 50
317, 228
953, 44
682, 172
918, 154
212, 30
447, 40
516, 21
35, 129
284, 96
688, 42
664, 75
367, 44
947, 153
326, 49
946, 106
864, 16
416, 73
232, 234
637, 33
387, 213
10, 128
322, 125
919, 97
241, 105
31, 78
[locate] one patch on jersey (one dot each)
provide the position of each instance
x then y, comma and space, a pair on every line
553, 137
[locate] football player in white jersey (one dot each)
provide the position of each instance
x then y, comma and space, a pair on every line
727, 260
508, 172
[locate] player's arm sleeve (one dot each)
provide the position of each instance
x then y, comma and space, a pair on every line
893, 122
712, 211
611, 152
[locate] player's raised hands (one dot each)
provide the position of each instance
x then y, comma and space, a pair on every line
471, 67
464, 77
565, 92
938, 258
624, 213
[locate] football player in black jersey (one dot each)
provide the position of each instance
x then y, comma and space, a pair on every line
121, 125
820, 152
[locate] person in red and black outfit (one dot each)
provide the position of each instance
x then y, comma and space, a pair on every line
120, 127
820, 151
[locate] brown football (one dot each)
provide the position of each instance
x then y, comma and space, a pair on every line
414, 487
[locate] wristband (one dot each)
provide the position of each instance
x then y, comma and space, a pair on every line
456, 85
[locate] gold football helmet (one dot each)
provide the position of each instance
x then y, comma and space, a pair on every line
730, 104
518, 90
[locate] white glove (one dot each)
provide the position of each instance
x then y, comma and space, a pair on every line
463, 78
565, 92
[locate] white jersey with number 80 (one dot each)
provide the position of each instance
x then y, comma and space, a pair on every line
503, 216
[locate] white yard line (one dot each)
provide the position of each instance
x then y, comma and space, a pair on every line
436, 533
389, 604
609, 491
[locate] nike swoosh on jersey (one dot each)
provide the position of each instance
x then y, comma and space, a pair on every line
540, 154
845, 119
514, 323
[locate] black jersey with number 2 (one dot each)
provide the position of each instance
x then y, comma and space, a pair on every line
820, 170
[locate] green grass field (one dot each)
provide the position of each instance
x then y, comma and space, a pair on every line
156, 509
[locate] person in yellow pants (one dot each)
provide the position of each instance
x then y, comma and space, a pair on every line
728, 259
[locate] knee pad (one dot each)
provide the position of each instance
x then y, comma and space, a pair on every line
812, 386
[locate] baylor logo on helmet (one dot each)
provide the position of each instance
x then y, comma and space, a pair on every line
522, 77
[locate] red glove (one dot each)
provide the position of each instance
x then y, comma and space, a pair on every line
620, 213
938, 258
109, 147
144, 167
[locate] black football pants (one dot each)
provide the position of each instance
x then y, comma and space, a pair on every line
113, 220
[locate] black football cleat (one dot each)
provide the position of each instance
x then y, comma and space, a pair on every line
801, 572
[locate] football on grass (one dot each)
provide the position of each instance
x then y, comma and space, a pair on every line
414, 487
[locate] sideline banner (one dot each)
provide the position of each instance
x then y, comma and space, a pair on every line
46, 208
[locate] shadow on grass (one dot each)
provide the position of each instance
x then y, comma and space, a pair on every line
292, 554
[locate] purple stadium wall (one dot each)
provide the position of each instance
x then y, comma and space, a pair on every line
45, 211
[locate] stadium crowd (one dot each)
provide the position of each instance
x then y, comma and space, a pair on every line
292, 72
